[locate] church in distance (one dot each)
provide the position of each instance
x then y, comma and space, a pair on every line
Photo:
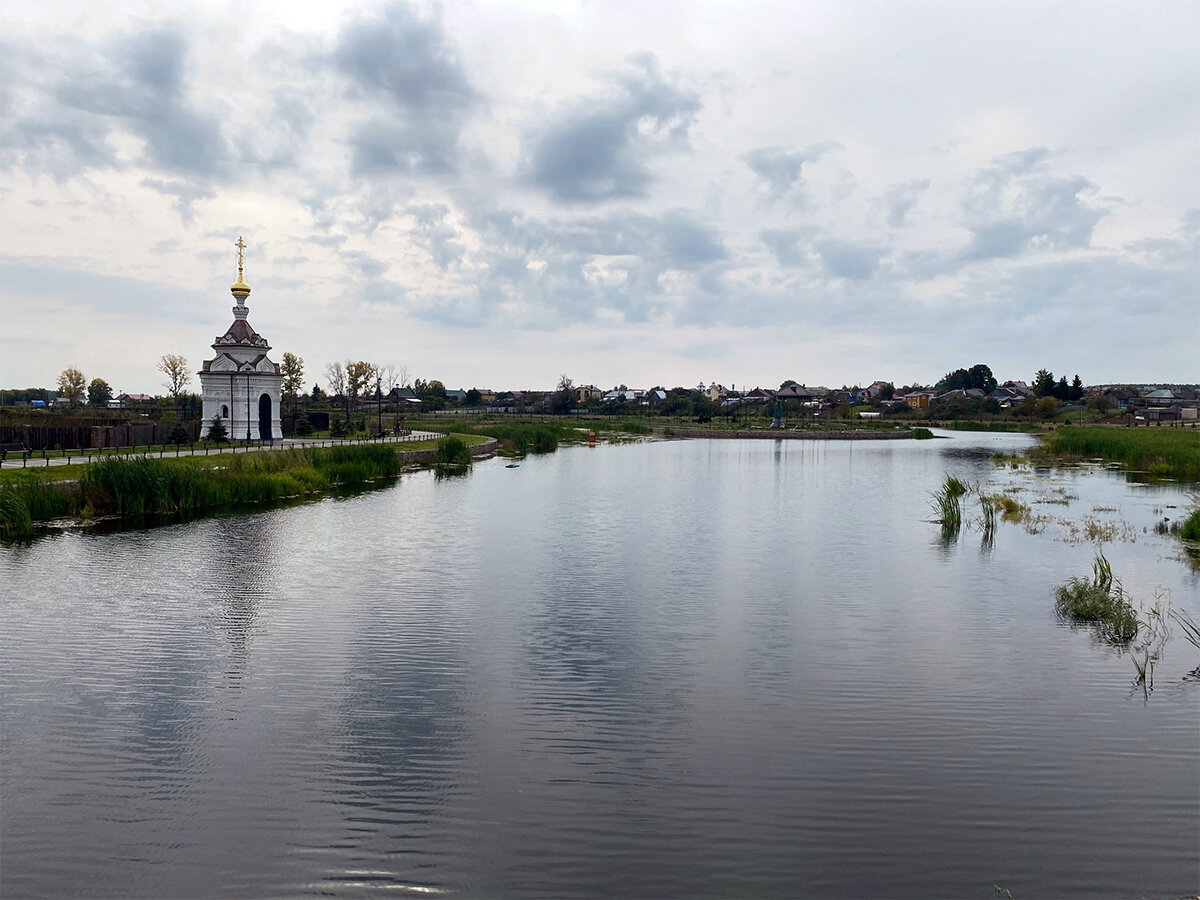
240, 385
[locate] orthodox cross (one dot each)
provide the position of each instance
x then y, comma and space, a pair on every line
241, 245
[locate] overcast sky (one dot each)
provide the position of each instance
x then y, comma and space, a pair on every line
648, 193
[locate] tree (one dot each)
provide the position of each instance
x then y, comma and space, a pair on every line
981, 377
1076, 388
1062, 390
562, 401
99, 392
434, 396
335, 377
292, 368
390, 377
473, 398
217, 431
359, 376
179, 435
1046, 408
1043, 383
175, 367
71, 384
978, 376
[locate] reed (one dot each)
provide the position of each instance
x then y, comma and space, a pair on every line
922, 434
1169, 452
1190, 529
987, 520
139, 486
1101, 602
947, 507
1191, 631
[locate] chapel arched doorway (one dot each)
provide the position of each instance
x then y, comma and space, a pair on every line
264, 418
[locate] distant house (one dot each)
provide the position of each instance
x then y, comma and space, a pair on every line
1007, 397
587, 392
966, 393
130, 401
758, 395
457, 395
918, 399
716, 392
795, 392
1118, 397
1162, 397
1158, 414
1019, 387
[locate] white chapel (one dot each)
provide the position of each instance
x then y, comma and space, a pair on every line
240, 385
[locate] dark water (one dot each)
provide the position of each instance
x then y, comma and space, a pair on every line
675, 669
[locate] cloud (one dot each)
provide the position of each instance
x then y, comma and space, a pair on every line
139, 80
780, 169
1016, 205
432, 232
186, 193
901, 198
849, 259
419, 93
72, 98
530, 272
601, 147
791, 246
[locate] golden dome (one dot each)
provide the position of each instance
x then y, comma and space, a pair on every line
239, 288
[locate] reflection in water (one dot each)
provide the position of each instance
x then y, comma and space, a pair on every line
685, 668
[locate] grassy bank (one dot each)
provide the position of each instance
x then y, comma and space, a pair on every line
1007, 425
1166, 452
148, 486
518, 437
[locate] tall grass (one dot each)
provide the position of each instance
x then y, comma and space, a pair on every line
947, 507
137, 487
1169, 452
1101, 602
1190, 530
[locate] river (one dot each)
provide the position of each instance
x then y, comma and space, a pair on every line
684, 668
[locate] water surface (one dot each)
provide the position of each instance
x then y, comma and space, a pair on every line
737, 668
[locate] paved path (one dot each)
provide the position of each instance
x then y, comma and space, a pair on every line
36, 462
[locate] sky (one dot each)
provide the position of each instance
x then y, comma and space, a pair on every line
495, 194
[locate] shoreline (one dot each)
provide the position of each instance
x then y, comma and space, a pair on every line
781, 434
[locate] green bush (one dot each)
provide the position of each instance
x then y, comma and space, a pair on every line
922, 434
452, 451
